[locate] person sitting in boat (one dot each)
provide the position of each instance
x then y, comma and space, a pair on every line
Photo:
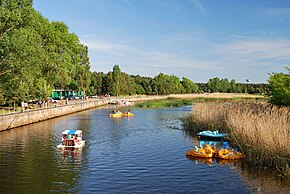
64, 138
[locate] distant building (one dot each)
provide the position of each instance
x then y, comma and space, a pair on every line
62, 94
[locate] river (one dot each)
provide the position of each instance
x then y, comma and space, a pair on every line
141, 154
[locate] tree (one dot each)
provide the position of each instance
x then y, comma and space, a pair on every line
96, 85
279, 84
214, 85
14, 14
189, 86
83, 76
116, 80
127, 84
19, 50
224, 85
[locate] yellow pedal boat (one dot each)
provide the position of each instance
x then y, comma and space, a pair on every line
127, 114
229, 154
206, 152
116, 114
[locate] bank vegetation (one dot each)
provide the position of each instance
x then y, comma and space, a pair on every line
260, 130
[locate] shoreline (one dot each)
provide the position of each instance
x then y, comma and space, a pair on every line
17, 119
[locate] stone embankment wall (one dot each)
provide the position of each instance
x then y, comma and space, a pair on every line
13, 120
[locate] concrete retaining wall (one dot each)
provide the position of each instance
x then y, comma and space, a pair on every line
10, 121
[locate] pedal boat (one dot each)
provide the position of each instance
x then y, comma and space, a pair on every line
127, 114
211, 135
71, 139
229, 154
117, 114
206, 152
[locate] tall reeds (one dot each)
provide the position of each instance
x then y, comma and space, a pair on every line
260, 130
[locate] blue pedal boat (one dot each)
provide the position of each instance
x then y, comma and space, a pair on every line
211, 135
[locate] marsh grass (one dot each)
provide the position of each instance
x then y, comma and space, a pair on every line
171, 102
260, 130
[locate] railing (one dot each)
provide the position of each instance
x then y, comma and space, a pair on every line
36, 107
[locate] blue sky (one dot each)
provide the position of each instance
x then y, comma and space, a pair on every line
197, 39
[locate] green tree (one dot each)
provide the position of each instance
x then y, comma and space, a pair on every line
127, 84
189, 86
14, 14
233, 86
279, 84
224, 85
214, 85
20, 53
96, 85
116, 80
83, 75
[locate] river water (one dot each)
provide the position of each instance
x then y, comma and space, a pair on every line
141, 154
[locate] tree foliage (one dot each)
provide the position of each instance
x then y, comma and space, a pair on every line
279, 84
224, 86
37, 55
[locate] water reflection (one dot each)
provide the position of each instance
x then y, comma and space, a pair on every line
196, 160
145, 153
71, 154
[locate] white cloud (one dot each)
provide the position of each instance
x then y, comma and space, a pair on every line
127, 2
198, 5
107, 47
280, 13
253, 51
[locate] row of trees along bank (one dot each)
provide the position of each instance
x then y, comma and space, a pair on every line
38, 56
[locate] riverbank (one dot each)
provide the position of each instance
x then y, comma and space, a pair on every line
20, 118
16, 119
260, 130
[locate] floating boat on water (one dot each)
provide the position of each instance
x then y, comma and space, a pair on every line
127, 114
71, 139
208, 151
201, 152
226, 154
211, 135
116, 114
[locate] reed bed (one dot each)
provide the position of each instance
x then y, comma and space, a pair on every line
173, 102
260, 130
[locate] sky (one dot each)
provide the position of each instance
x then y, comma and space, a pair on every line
196, 39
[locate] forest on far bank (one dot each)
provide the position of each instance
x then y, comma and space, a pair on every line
38, 56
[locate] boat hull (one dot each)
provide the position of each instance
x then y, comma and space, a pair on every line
209, 135
212, 138
229, 155
80, 145
115, 115
127, 114
199, 154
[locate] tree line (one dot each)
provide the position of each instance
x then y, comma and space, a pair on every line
117, 82
38, 56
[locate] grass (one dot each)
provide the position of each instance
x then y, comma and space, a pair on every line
260, 130
170, 102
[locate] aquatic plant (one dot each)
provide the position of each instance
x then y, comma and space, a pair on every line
164, 103
260, 130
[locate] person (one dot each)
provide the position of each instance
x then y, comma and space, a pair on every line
39, 103
66, 101
23, 106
